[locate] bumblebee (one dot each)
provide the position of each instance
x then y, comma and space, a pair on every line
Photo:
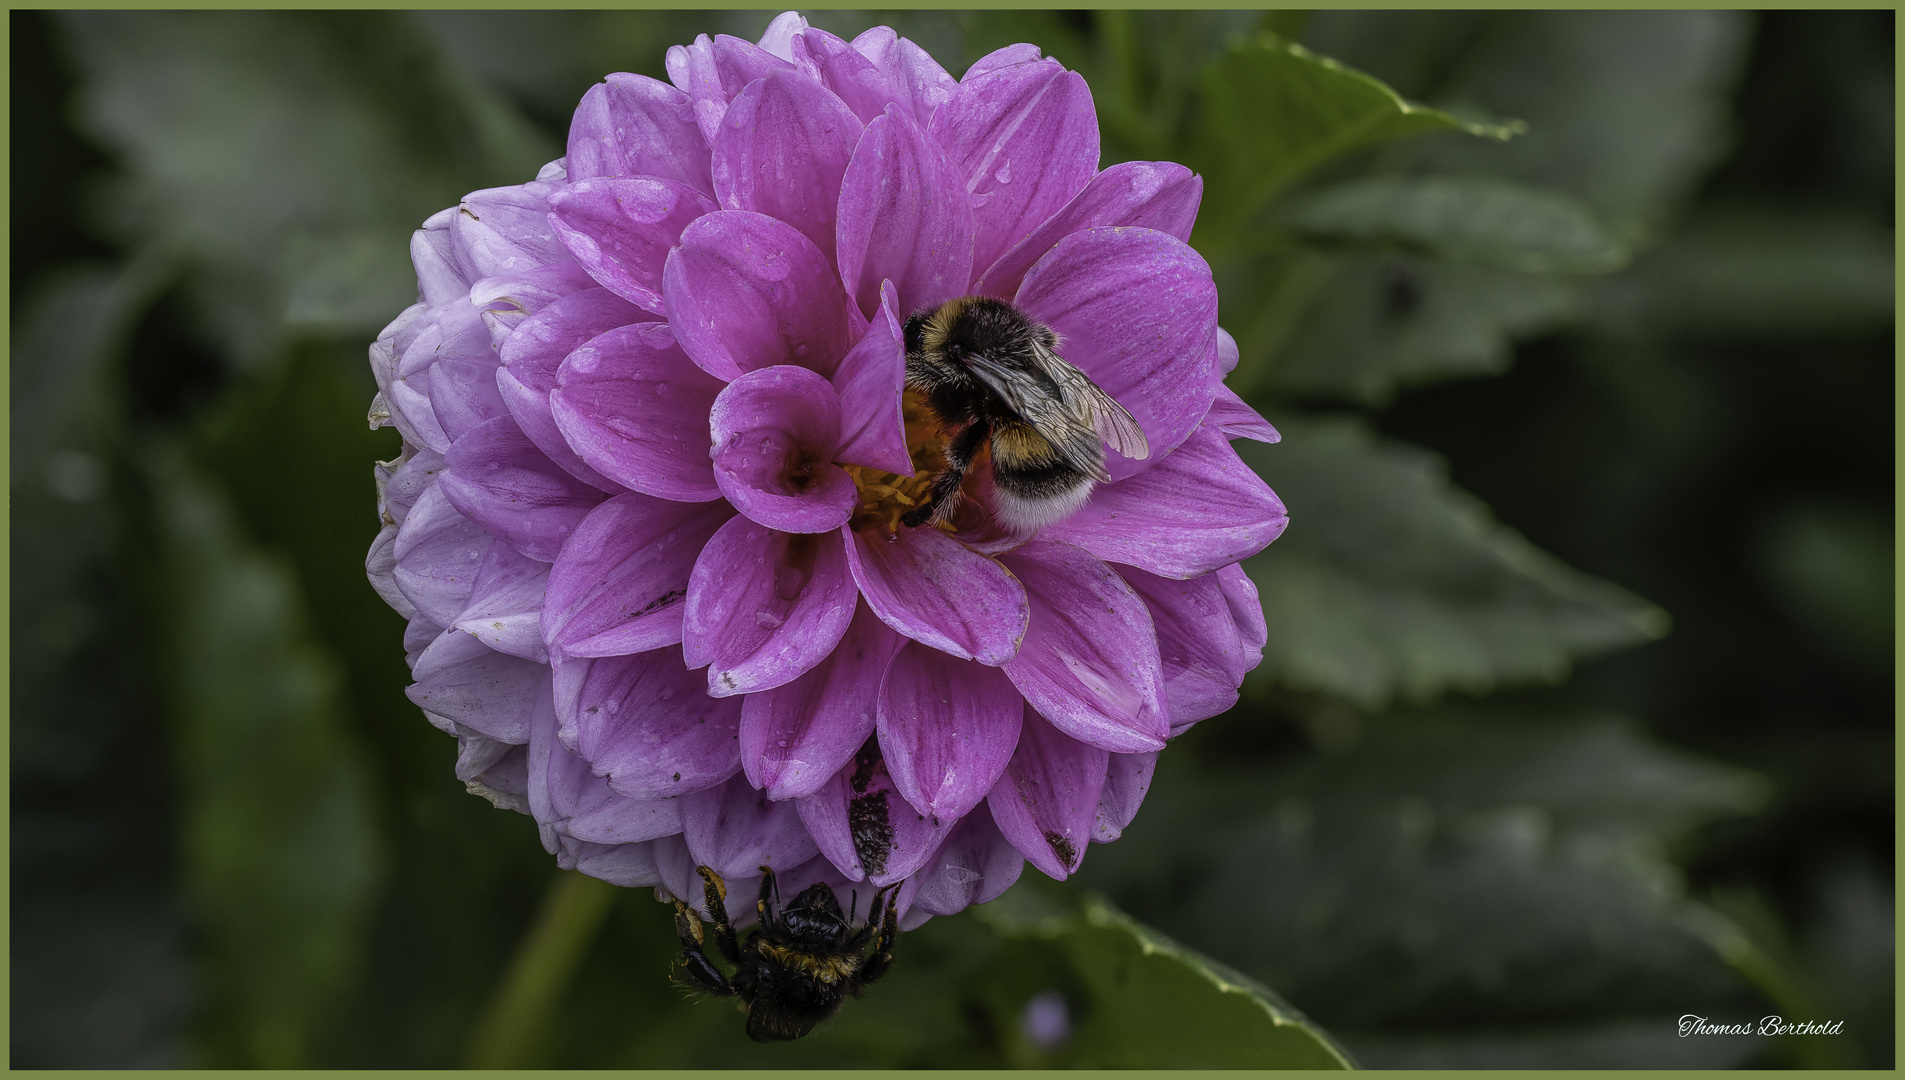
993, 377
799, 966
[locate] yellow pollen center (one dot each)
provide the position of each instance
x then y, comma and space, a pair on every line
885, 496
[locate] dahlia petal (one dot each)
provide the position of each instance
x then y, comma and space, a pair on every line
921, 86
380, 565
1047, 800
845, 73
618, 585
408, 399
461, 678
1090, 662
505, 301
409, 482
1198, 509
1236, 419
646, 724
1159, 195
976, 864
505, 608
947, 728
536, 350
505, 230
1227, 352
633, 407
940, 593
1137, 311
418, 633
564, 791
764, 607
463, 392
797, 735
866, 829
774, 432
631, 125
1024, 140
782, 148
779, 36
1126, 781
439, 280
904, 217
1203, 654
438, 553
530, 409
478, 754
499, 480
735, 830
620, 229
870, 380
1246, 611
745, 291
1021, 53
628, 865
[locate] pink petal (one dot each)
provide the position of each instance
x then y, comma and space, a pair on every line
1126, 781
621, 229
438, 553
735, 830
1157, 195
1237, 420
540, 344
1199, 509
781, 34
463, 382
530, 409
764, 607
781, 150
1024, 140
940, 593
505, 609
1204, 657
498, 479
1022, 53
795, 736
1227, 352
504, 302
865, 828
505, 231
919, 84
617, 587
564, 791
1137, 312
871, 380
851, 77
1047, 800
1089, 663
1246, 610
631, 124
713, 71
646, 724
904, 217
947, 728
634, 408
774, 432
745, 291
975, 865
460, 678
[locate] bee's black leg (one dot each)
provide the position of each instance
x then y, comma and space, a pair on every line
940, 498
889, 927
768, 894
695, 965
715, 894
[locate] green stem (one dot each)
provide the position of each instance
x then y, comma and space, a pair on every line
514, 1025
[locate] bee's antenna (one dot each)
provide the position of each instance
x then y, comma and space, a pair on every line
853, 907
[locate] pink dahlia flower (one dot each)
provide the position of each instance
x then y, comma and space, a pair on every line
656, 443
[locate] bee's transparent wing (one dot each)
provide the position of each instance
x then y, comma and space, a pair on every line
1067, 408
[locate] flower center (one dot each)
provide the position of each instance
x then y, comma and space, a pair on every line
885, 496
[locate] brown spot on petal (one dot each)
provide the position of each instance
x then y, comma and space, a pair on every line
1062, 848
872, 832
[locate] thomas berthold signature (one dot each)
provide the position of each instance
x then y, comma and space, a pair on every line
1768, 1025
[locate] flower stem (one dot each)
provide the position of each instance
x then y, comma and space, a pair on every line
514, 1024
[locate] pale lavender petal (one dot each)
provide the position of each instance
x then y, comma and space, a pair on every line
795, 736
1204, 656
438, 553
940, 593
463, 392
1126, 781
1227, 352
1021, 53
409, 482
565, 792
505, 230
380, 564
530, 409
646, 724
1246, 611
1157, 195
418, 634
920, 84
865, 828
633, 407
505, 609
439, 280
850, 76
631, 125
871, 380
781, 150
1137, 312
620, 229
1199, 509
1236, 419
498, 479
1090, 659
460, 678
975, 865
764, 607
1047, 800
1023, 140
628, 865
947, 728
774, 432
536, 350
779, 36
504, 302
735, 830
745, 291
618, 586
904, 217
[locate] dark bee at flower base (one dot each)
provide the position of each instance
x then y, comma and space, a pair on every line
798, 966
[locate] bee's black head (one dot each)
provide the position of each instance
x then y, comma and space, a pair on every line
814, 917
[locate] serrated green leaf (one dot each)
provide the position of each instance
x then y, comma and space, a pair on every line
1393, 584
1471, 218
1271, 110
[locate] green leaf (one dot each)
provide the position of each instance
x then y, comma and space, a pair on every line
1272, 111
1392, 583
1475, 219
281, 854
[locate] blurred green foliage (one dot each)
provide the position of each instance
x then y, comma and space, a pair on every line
1627, 274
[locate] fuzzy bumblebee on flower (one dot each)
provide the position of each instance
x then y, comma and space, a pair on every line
820, 475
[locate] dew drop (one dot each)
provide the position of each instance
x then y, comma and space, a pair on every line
1004, 175
768, 620
666, 693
